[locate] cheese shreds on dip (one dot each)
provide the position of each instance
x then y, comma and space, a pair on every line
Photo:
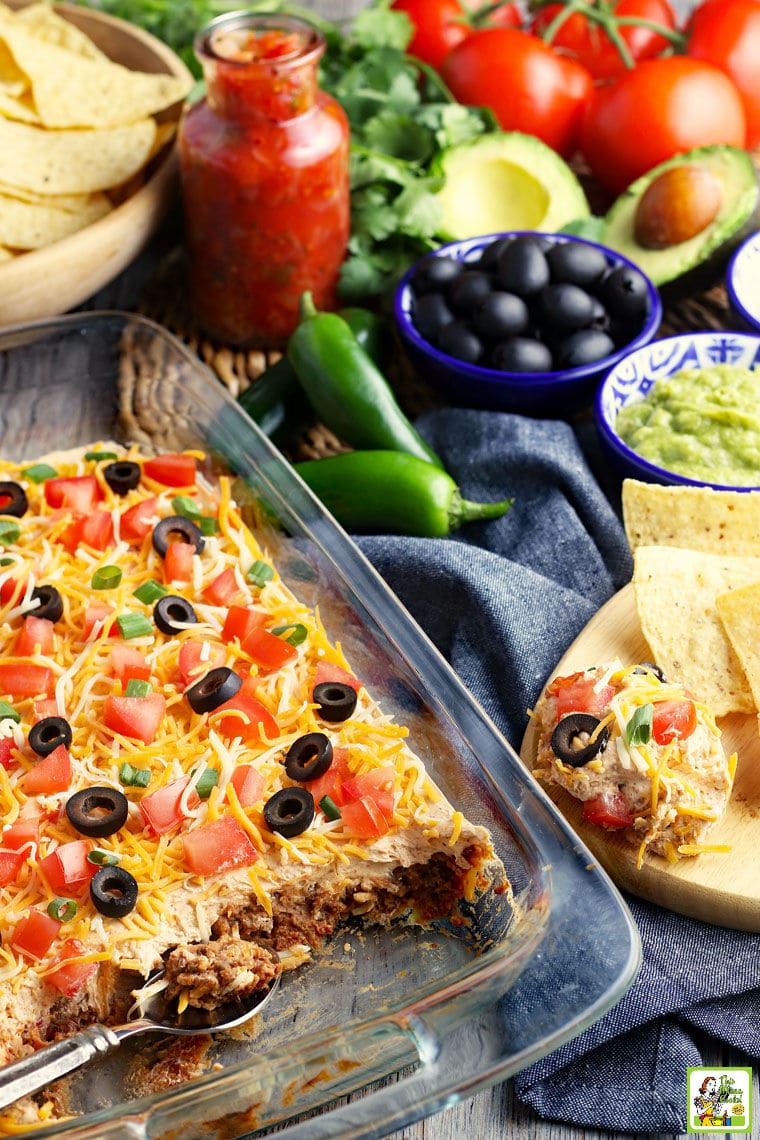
642, 754
190, 773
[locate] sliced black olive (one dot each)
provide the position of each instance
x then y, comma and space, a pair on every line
336, 700
113, 891
570, 739
649, 667
171, 613
289, 811
179, 528
47, 734
97, 812
219, 685
13, 500
121, 476
51, 603
309, 757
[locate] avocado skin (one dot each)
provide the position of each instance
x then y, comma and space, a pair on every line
710, 255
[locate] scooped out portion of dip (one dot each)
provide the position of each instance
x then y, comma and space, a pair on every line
643, 755
703, 423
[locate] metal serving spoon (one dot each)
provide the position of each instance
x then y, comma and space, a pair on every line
159, 1016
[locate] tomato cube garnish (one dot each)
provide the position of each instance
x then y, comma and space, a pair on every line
67, 870
178, 562
244, 715
70, 976
135, 717
35, 933
609, 810
171, 470
240, 622
26, 829
162, 809
197, 658
11, 590
97, 530
37, 635
578, 693
267, 650
248, 784
364, 819
327, 672
7, 748
11, 862
673, 720
48, 706
96, 615
376, 785
78, 492
138, 520
223, 589
220, 845
128, 664
51, 774
24, 679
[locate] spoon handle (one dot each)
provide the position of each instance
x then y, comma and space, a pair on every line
39, 1069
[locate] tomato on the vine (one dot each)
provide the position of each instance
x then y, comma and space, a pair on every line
660, 108
585, 39
439, 25
528, 86
726, 33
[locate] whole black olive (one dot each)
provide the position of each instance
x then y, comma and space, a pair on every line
13, 500
501, 315
218, 685
179, 528
457, 340
570, 739
309, 757
113, 891
565, 306
489, 258
431, 314
523, 268
97, 812
468, 291
335, 699
172, 613
584, 347
122, 475
434, 274
51, 603
289, 811
47, 734
649, 667
624, 293
521, 354
577, 263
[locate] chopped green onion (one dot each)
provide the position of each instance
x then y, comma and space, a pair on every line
329, 807
186, 507
208, 779
62, 909
259, 573
150, 591
7, 561
134, 777
297, 637
136, 688
639, 727
9, 531
106, 577
39, 472
7, 712
100, 455
207, 524
101, 858
133, 625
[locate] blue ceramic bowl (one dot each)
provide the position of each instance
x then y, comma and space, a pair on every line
634, 376
743, 284
531, 393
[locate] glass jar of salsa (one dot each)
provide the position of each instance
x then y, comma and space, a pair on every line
265, 185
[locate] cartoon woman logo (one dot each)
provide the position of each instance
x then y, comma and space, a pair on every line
707, 1102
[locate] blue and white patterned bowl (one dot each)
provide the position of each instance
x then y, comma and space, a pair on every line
634, 376
743, 284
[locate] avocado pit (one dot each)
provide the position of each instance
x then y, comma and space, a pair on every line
676, 206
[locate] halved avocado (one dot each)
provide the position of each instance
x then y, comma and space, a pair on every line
506, 181
698, 262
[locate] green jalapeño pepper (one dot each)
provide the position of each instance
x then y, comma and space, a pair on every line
346, 389
373, 492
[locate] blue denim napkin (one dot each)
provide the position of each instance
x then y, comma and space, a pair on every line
502, 600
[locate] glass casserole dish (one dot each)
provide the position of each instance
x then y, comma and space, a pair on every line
451, 1009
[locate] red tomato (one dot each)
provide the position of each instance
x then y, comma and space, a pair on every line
244, 715
66, 868
46, 707
35, 933
586, 41
19, 679
11, 863
138, 520
364, 819
135, 717
726, 33
528, 86
239, 622
128, 664
6, 752
326, 673
248, 784
331, 782
178, 562
609, 810
51, 774
196, 658
11, 590
35, 636
269, 651
25, 830
71, 976
97, 530
171, 470
576, 694
78, 492
223, 589
683, 103
161, 809
673, 720
376, 785
438, 26
97, 612
218, 846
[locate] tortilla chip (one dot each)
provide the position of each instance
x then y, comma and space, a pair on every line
43, 22
31, 225
5, 254
676, 600
60, 201
695, 518
18, 107
72, 162
739, 610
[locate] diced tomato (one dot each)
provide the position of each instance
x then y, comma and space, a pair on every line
197, 658
11, 863
576, 694
7, 746
137, 521
673, 720
245, 717
609, 810
71, 976
66, 869
99, 612
178, 562
25, 830
248, 784
327, 673
376, 785
364, 819
223, 589
136, 717
35, 933
11, 589
97, 530
78, 492
330, 783
172, 470
46, 707
25, 679
37, 635
70, 536
240, 622
269, 651
128, 664
218, 846
51, 774
161, 809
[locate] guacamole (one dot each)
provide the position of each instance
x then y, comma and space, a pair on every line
700, 422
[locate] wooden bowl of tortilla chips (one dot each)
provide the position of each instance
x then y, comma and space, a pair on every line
89, 106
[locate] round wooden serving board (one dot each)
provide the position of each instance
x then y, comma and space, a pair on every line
722, 888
